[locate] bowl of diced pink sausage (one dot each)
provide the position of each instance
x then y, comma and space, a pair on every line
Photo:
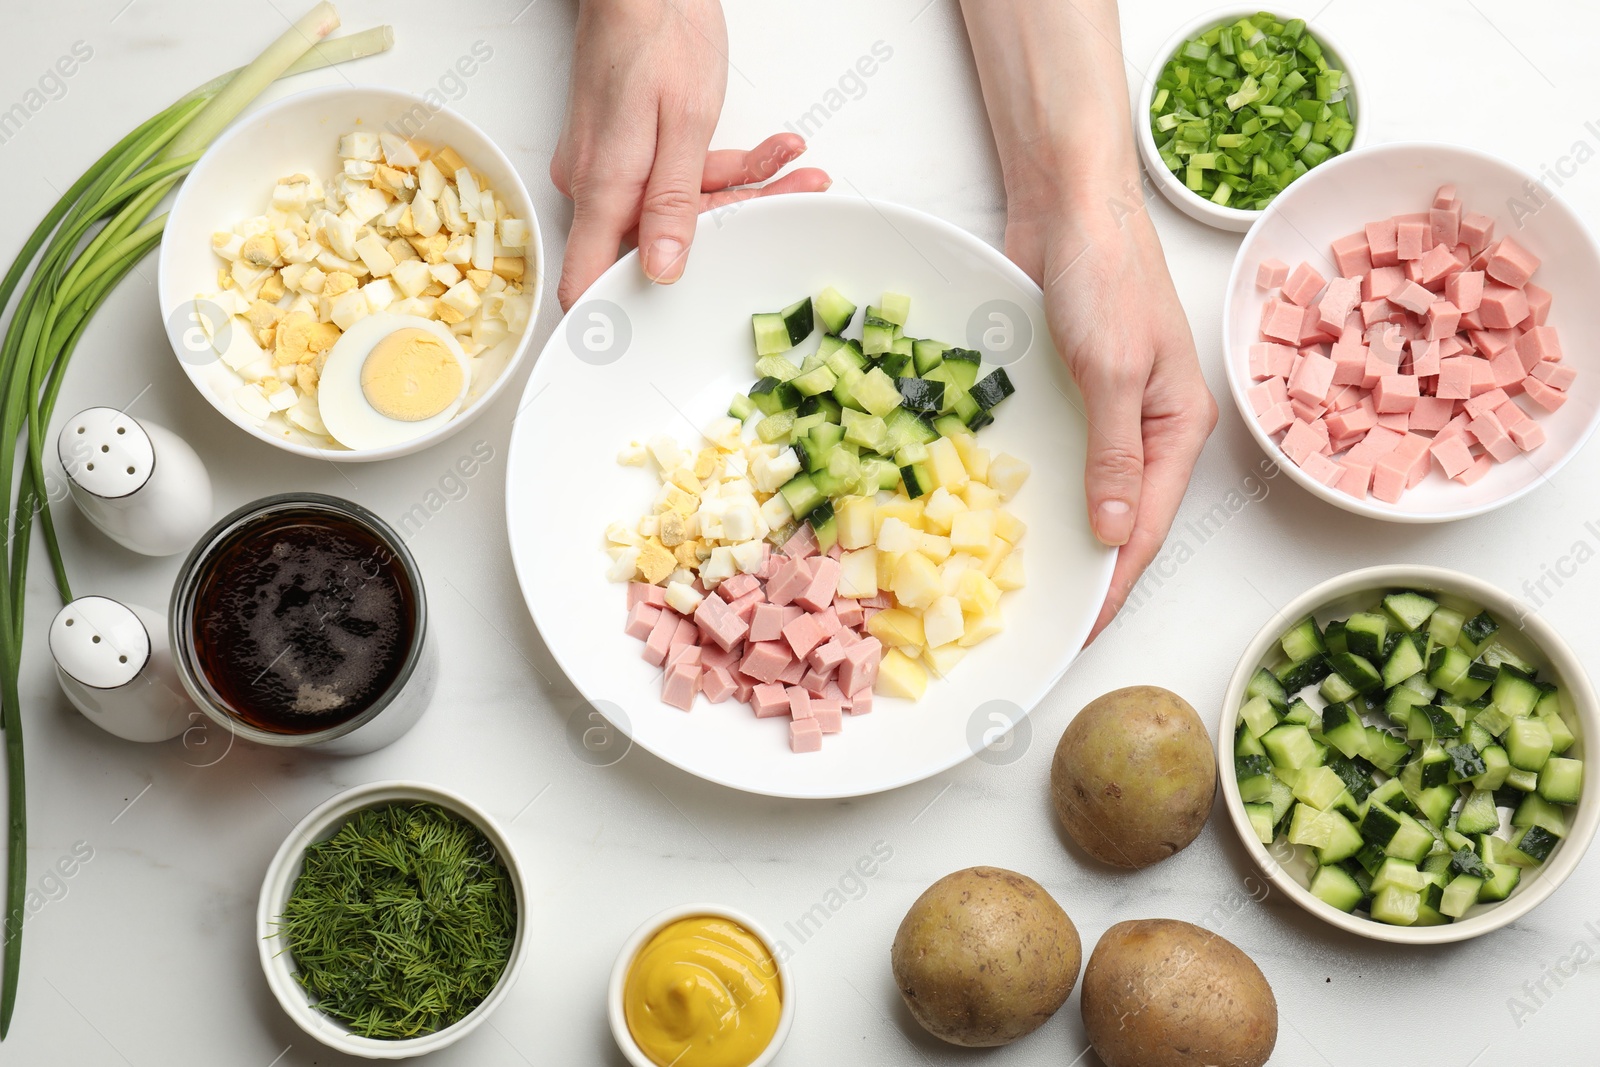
1406, 331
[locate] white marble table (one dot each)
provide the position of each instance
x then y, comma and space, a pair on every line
146, 955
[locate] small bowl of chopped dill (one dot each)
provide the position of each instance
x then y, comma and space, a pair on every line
1237, 105
392, 920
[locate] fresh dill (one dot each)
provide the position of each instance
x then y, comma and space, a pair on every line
402, 921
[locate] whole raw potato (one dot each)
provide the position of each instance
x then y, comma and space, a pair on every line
985, 956
1133, 777
1164, 993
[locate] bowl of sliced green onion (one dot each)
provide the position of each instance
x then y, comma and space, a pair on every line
1237, 105
392, 920
1402, 752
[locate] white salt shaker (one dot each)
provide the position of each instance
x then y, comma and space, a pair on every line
115, 665
140, 483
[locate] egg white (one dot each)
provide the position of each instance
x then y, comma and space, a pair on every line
349, 415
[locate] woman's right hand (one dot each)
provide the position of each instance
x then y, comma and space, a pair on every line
647, 84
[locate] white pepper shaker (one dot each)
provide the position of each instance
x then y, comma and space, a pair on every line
140, 483
115, 665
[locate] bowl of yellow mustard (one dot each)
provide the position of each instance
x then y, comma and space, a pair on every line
700, 985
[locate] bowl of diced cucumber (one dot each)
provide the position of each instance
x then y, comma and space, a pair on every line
1402, 751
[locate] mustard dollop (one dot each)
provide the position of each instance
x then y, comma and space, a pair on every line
703, 992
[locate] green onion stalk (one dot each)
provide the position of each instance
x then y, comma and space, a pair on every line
94, 235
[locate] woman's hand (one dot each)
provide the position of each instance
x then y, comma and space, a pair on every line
647, 86
1116, 320
1056, 92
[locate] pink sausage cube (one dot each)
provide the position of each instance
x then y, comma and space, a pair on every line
689, 654
1271, 274
1389, 481
1493, 437
803, 634
1349, 363
805, 735
1452, 455
1356, 479
766, 661
799, 702
1538, 304
861, 702
1445, 222
1395, 392
1263, 397
1338, 300
828, 715
659, 643
1464, 289
1512, 264
1383, 245
1410, 237
685, 632
1262, 354
1277, 419
1399, 421
1538, 344
848, 612
1425, 358
790, 581
818, 593
1303, 285
860, 667
1356, 420
826, 657
769, 701
1413, 297
745, 606
1476, 231
1381, 282
1322, 469
1455, 378
1443, 319
1485, 402
680, 685
1479, 468
720, 622
739, 585
1311, 379
642, 619
1281, 321
1527, 435
1555, 375
1507, 369
767, 623
712, 656
717, 684
1436, 264
645, 593
1431, 414
1301, 441
1351, 255
793, 673
1503, 306
1446, 197
1543, 395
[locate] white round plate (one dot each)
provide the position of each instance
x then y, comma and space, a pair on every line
633, 360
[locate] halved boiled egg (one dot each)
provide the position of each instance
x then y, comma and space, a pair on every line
390, 379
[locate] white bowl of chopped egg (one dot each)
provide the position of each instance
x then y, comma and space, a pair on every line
351, 273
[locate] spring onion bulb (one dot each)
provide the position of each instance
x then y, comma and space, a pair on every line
70, 267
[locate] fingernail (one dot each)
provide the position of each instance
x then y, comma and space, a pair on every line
1114, 522
826, 186
663, 260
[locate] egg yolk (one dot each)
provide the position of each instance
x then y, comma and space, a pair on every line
411, 375
703, 992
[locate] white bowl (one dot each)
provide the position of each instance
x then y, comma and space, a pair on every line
276, 962
687, 350
1191, 203
1355, 591
1347, 192
234, 181
617, 1016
